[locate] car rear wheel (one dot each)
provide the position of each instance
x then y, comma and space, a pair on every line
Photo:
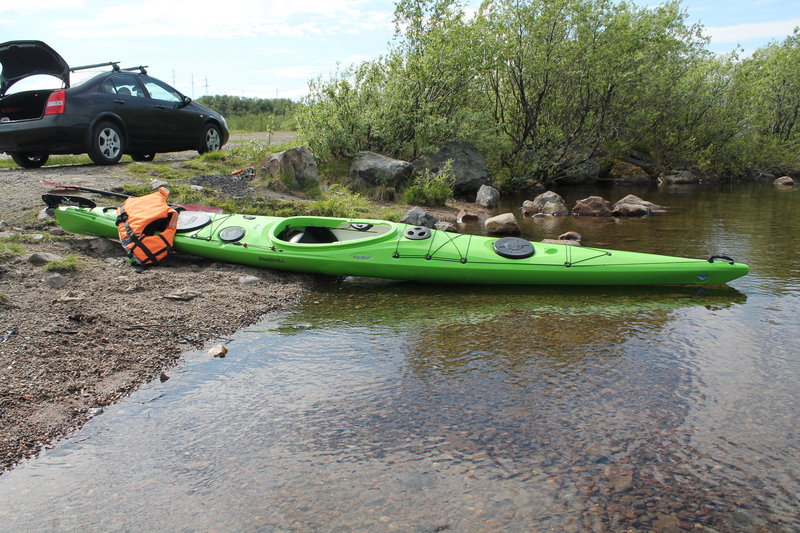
107, 144
138, 156
29, 160
212, 139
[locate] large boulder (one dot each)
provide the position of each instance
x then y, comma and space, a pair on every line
371, 170
678, 177
505, 224
296, 167
784, 181
487, 196
419, 217
593, 206
468, 166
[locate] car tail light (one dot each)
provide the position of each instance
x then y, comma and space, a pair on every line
56, 103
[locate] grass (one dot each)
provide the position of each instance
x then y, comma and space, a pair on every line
9, 250
69, 264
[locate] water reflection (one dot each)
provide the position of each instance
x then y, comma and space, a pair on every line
397, 406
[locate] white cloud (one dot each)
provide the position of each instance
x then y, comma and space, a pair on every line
757, 30
239, 18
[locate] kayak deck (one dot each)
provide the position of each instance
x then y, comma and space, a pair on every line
383, 249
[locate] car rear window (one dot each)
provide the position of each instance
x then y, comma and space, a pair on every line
122, 84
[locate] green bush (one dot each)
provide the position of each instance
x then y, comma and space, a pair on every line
432, 190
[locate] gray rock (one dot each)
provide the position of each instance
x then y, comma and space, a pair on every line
505, 224
42, 258
487, 196
673, 177
45, 214
468, 166
56, 281
593, 206
197, 188
296, 167
249, 280
6, 234
556, 209
419, 217
537, 205
446, 226
784, 181
155, 184
372, 170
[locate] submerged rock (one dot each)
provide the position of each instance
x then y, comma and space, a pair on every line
784, 181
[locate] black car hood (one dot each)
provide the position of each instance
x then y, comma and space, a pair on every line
21, 59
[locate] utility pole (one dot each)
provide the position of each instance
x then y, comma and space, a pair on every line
192, 84
206, 86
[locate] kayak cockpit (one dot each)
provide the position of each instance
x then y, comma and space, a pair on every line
319, 230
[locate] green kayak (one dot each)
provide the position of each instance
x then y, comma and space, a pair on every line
382, 249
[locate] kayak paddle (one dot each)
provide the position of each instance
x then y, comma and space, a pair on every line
187, 207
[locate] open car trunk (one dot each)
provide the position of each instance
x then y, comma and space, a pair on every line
23, 106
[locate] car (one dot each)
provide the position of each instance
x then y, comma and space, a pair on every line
119, 111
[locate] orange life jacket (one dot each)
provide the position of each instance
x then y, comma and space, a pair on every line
146, 226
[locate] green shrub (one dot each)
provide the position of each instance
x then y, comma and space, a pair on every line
432, 190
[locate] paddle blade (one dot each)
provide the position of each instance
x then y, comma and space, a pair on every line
55, 200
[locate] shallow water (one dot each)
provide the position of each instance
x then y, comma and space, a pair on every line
392, 406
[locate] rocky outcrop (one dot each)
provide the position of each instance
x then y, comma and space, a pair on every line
593, 206
784, 181
678, 177
371, 170
419, 217
505, 224
487, 196
296, 167
468, 166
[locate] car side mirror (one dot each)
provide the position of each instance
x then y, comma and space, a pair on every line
185, 101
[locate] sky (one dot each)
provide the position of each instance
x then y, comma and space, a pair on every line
272, 48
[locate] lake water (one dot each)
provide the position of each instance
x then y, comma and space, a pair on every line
400, 407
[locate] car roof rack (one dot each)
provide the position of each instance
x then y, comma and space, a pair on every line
113, 64
140, 68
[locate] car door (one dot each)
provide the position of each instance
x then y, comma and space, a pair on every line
128, 100
179, 125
